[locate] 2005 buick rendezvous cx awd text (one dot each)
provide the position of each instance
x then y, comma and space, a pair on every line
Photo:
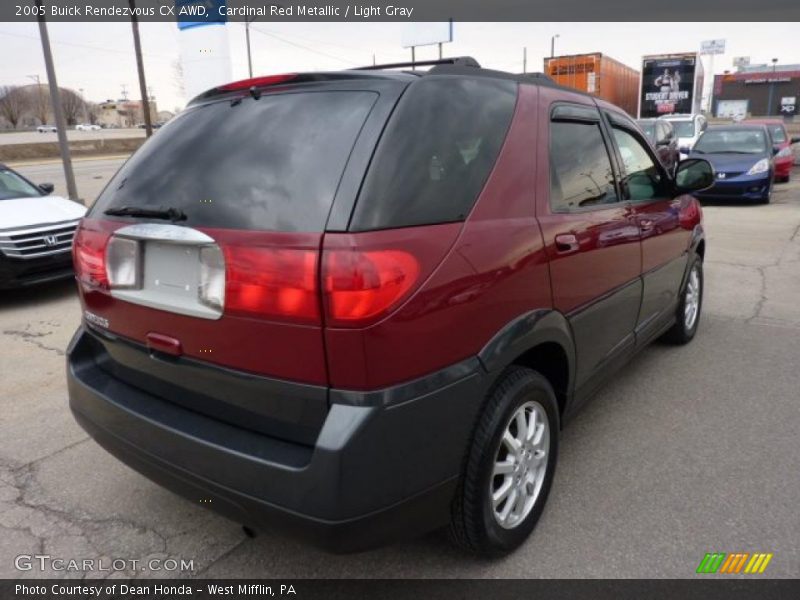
362, 304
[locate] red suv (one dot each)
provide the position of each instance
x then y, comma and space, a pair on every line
362, 304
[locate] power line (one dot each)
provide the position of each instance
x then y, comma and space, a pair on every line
302, 47
85, 46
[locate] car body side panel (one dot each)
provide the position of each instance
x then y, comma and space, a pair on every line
495, 271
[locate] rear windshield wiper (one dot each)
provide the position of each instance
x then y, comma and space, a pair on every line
173, 214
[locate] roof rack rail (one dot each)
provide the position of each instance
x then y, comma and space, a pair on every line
461, 61
536, 75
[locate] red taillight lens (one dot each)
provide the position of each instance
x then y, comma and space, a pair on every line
89, 257
274, 282
362, 285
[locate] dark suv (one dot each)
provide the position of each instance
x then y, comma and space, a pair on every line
362, 304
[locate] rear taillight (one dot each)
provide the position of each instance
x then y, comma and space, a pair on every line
361, 285
272, 282
89, 257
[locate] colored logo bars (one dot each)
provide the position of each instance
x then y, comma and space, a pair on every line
737, 562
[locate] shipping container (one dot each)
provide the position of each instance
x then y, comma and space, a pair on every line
672, 84
599, 75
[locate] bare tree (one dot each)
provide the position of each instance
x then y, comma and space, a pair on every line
72, 104
92, 112
178, 81
41, 107
12, 104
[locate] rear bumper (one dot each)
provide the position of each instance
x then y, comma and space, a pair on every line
783, 167
384, 466
21, 272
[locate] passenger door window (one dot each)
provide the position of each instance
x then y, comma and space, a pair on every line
642, 177
580, 168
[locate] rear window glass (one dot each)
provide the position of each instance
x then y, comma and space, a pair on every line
437, 152
777, 133
270, 164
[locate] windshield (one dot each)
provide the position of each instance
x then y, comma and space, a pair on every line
649, 130
683, 129
271, 164
14, 186
742, 141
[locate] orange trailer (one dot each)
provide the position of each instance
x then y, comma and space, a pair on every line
599, 75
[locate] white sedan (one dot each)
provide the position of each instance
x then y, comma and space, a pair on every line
87, 127
46, 129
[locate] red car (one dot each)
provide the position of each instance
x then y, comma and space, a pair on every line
363, 304
782, 143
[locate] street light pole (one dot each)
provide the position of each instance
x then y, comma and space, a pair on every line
137, 45
58, 111
553, 45
771, 88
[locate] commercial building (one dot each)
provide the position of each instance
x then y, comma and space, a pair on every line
123, 113
758, 91
599, 75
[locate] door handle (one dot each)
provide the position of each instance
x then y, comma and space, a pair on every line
566, 243
646, 224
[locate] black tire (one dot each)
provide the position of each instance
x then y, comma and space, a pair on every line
680, 333
768, 198
473, 525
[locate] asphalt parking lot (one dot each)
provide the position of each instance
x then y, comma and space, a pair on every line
690, 450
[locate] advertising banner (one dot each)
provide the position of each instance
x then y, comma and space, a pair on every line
667, 86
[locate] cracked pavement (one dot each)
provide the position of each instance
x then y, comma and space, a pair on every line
689, 450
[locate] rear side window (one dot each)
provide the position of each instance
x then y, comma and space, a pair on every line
436, 153
580, 169
270, 164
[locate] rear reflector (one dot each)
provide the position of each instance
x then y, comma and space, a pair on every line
361, 285
89, 257
272, 282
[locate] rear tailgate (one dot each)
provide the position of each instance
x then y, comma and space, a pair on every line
253, 179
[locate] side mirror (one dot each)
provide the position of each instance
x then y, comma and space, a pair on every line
663, 142
684, 149
775, 150
693, 175
47, 188
795, 140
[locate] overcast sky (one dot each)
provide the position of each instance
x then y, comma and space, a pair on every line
98, 57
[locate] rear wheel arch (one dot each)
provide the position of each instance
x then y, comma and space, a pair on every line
540, 340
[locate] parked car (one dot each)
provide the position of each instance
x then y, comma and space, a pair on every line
662, 135
348, 317
87, 127
47, 129
688, 128
36, 231
782, 146
742, 157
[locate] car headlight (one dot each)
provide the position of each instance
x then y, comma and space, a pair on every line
761, 166
785, 153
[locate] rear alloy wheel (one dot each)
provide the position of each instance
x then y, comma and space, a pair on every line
510, 465
687, 316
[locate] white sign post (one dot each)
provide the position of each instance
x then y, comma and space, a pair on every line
426, 34
711, 48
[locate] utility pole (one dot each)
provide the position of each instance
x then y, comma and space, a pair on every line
58, 112
771, 88
148, 125
553, 45
525, 59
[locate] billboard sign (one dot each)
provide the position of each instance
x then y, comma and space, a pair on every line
789, 105
732, 109
426, 34
741, 61
712, 47
196, 13
667, 86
